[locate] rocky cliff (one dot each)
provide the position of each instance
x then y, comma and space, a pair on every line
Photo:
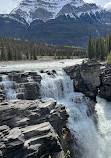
31, 129
92, 79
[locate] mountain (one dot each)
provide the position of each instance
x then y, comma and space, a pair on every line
51, 9
59, 22
12, 26
45, 9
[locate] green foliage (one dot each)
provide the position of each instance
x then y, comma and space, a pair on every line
67, 155
90, 48
21, 49
109, 59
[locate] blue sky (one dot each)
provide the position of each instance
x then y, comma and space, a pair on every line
8, 5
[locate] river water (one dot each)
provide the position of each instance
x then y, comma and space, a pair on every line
40, 65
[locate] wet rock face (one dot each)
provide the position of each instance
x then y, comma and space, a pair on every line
2, 95
25, 84
31, 129
86, 78
91, 80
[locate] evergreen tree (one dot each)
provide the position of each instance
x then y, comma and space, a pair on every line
3, 52
9, 51
90, 48
110, 42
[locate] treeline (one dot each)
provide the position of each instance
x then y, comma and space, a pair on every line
99, 48
21, 49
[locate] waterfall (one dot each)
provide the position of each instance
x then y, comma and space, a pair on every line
8, 88
60, 88
93, 142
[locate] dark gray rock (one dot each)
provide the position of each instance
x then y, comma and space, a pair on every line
105, 87
29, 129
86, 78
92, 79
2, 95
31, 90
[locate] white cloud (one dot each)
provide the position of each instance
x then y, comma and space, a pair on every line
108, 5
98, 2
6, 6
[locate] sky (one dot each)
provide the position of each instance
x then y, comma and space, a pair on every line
6, 6
105, 3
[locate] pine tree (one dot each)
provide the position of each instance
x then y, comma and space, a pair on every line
110, 42
34, 53
102, 49
3, 51
90, 48
9, 51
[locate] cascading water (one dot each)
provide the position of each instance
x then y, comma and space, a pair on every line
60, 87
9, 91
12, 89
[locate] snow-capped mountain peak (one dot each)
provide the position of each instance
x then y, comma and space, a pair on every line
43, 9
50, 9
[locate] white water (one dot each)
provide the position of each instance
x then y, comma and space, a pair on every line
104, 125
12, 89
9, 91
60, 88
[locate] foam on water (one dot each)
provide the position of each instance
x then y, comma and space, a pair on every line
8, 90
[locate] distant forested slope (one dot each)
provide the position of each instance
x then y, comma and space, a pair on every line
21, 49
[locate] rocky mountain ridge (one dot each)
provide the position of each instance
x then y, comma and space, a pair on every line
53, 21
